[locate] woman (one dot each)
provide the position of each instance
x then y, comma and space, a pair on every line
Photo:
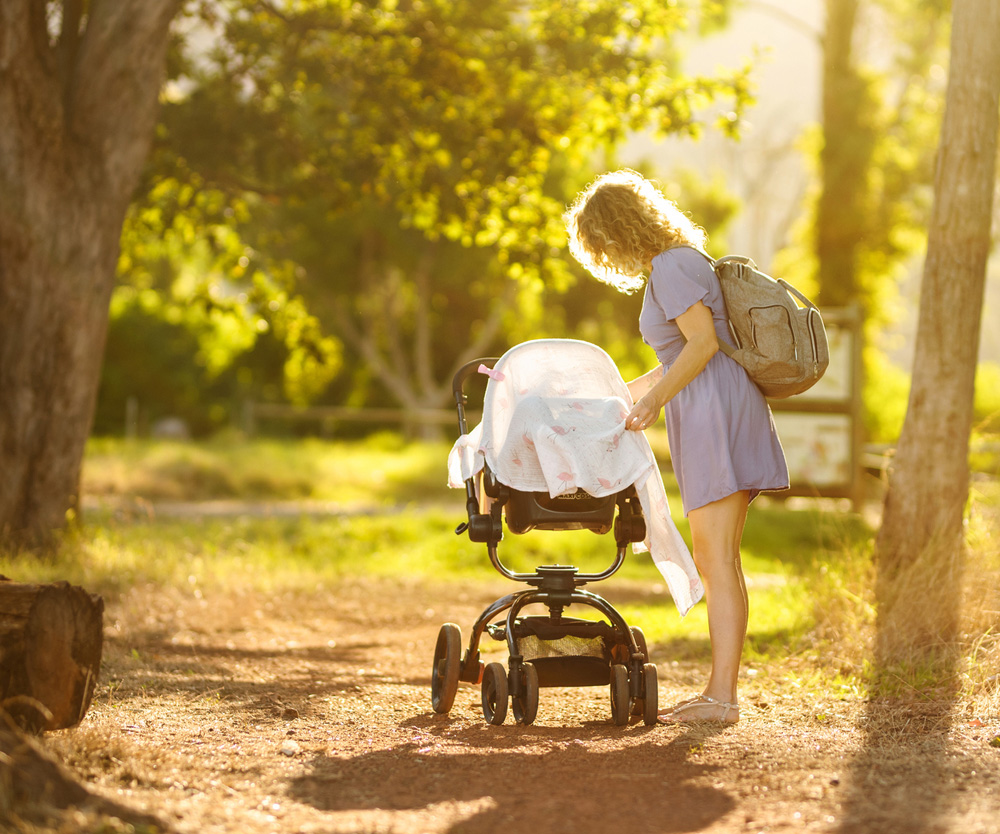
723, 443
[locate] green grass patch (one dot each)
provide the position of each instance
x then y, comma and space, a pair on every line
381, 471
396, 518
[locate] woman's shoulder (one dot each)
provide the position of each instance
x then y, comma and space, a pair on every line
685, 256
686, 261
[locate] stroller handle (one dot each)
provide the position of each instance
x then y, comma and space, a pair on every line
467, 370
458, 385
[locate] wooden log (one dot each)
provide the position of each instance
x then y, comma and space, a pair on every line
51, 638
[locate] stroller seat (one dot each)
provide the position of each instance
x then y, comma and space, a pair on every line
551, 453
576, 511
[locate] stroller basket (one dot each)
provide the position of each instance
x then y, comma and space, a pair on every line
571, 652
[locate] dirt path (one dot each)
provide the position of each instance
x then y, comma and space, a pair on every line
311, 713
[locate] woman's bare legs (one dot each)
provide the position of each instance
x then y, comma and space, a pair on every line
716, 532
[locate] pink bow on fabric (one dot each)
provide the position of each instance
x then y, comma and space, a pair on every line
496, 376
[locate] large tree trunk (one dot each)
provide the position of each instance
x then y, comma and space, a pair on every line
919, 547
51, 640
78, 109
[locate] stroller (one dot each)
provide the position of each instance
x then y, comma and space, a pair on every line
548, 403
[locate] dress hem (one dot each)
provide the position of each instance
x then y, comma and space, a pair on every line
753, 490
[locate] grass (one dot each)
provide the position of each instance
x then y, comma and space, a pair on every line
398, 518
809, 570
388, 513
385, 470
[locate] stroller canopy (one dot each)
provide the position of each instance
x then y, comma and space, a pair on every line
554, 421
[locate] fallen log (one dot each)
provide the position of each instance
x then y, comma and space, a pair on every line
51, 637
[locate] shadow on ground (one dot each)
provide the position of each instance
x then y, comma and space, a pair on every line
882, 794
648, 787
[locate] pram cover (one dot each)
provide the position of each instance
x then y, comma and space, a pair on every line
554, 421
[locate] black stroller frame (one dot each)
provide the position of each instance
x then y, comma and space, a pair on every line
623, 662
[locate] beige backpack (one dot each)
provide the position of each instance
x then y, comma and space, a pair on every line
779, 333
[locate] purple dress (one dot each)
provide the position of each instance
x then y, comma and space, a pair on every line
719, 426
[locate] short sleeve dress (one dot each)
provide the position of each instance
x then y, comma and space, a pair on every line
720, 429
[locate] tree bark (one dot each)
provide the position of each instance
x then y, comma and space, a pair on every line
78, 110
919, 546
51, 638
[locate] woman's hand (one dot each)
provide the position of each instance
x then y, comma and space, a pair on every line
701, 345
642, 415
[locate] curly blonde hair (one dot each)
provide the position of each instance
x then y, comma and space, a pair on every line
620, 223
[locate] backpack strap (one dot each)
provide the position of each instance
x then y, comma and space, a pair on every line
723, 346
797, 294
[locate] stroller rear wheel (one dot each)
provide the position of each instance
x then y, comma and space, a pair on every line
526, 704
447, 665
495, 693
619, 695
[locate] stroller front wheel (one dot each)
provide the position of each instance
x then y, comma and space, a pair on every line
495, 693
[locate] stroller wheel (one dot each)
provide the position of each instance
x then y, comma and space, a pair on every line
526, 704
651, 695
447, 665
638, 704
495, 695
619, 695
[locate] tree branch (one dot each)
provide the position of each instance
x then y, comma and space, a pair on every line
368, 350
423, 365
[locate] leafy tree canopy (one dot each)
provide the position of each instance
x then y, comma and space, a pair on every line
397, 169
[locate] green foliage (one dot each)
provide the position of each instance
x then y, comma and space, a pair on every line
186, 264
873, 163
886, 391
393, 172
879, 139
888, 385
987, 401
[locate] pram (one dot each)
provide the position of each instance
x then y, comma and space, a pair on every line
552, 454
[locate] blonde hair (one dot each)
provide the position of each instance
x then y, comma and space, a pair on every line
620, 223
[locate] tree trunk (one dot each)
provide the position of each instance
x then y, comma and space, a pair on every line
919, 547
78, 111
51, 638
845, 159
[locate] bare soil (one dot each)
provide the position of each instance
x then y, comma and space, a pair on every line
239, 712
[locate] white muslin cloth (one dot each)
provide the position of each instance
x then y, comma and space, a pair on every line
554, 421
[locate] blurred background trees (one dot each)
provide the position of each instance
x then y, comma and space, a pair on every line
347, 201
344, 201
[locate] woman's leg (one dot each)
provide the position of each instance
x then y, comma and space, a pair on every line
716, 531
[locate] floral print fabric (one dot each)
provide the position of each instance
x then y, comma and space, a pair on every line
554, 421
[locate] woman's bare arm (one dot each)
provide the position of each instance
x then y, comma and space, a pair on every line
702, 344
